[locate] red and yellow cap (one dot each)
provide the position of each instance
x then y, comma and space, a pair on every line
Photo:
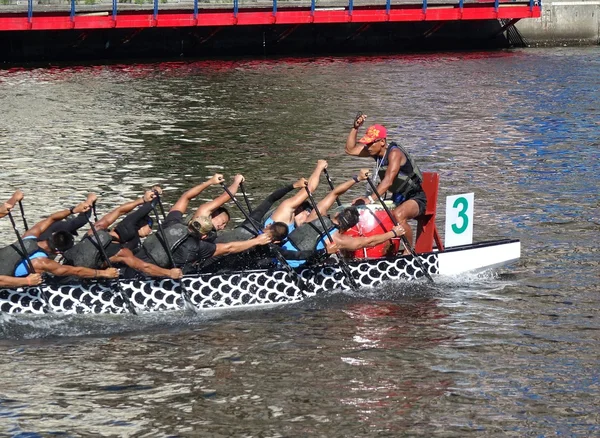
374, 132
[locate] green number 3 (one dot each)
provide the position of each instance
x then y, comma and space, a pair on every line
461, 214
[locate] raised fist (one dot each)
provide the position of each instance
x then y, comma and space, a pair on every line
359, 120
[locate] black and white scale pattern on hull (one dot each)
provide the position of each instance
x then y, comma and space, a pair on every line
210, 291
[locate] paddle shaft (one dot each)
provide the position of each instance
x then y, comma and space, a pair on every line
331, 186
405, 242
184, 292
160, 204
21, 244
119, 290
280, 258
23, 216
341, 261
246, 198
94, 211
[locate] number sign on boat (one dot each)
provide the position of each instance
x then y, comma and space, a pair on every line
459, 219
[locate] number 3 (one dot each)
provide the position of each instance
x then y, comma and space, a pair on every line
461, 214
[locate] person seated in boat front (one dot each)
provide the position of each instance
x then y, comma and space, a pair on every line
396, 169
14, 263
295, 210
190, 242
312, 236
118, 242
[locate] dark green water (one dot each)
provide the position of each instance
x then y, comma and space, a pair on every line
510, 354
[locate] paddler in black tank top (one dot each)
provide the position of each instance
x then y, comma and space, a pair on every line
397, 171
7, 280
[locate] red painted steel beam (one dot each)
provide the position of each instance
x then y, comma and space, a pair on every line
62, 21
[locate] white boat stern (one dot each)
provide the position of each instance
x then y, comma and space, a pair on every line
473, 258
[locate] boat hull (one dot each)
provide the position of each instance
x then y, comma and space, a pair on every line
251, 288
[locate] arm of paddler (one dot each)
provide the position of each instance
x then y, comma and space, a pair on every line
43, 225
352, 147
30, 280
207, 208
285, 211
325, 204
182, 203
349, 243
43, 264
235, 247
9, 205
126, 256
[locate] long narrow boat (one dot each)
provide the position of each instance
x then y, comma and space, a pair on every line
267, 287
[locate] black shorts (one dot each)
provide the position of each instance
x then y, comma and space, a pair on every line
419, 197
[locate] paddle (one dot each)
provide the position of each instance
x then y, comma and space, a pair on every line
117, 285
331, 185
94, 211
187, 299
30, 267
246, 198
404, 239
274, 249
160, 204
342, 263
23, 216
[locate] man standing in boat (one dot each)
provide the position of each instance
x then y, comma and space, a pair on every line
397, 171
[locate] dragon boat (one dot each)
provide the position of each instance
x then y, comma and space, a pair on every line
369, 268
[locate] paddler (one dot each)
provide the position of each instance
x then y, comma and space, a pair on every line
6, 280
118, 242
190, 242
312, 237
295, 210
214, 209
396, 169
14, 263
246, 230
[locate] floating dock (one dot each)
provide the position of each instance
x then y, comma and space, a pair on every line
48, 29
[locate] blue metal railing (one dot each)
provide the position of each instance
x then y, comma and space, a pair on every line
350, 6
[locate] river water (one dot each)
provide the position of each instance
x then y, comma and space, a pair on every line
512, 353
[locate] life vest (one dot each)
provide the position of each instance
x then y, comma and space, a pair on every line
154, 245
12, 255
308, 236
409, 178
86, 253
